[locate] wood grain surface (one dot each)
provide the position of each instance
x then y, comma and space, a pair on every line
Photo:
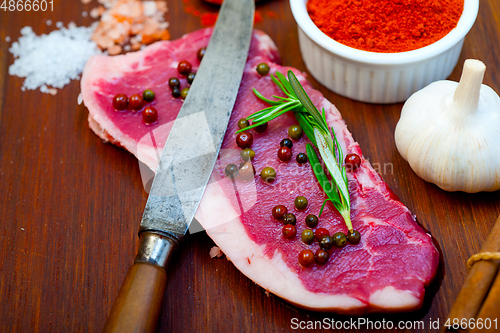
70, 205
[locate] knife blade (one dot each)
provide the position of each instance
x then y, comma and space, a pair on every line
185, 166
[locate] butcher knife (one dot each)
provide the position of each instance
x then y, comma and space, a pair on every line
185, 166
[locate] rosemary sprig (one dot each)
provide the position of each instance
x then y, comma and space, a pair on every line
316, 129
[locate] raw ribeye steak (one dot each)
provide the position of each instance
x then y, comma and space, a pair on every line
386, 271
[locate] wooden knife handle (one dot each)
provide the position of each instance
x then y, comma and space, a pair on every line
138, 304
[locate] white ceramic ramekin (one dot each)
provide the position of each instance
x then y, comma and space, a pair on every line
378, 77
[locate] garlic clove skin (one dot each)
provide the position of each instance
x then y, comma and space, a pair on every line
450, 139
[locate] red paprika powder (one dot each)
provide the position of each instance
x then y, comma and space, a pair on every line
385, 25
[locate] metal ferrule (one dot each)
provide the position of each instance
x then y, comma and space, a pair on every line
155, 249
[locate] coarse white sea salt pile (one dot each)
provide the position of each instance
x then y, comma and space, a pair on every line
54, 59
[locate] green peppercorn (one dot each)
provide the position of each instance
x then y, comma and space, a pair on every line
300, 202
176, 92
190, 78
184, 93
340, 239
231, 171
286, 143
307, 236
321, 257
148, 95
326, 242
295, 132
263, 68
268, 174
353, 237
311, 221
174, 82
289, 218
242, 123
247, 154
301, 158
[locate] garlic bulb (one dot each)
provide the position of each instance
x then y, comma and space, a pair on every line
449, 133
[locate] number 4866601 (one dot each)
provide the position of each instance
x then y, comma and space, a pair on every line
27, 5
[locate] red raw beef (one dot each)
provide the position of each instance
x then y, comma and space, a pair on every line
386, 272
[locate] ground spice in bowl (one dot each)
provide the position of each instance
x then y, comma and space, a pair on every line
385, 26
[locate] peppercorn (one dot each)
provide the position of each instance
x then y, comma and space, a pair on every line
268, 174
261, 128
306, 258
307, 236
184, 93
120, 102
231, 171
149, 115
301, 158
320, 232
244, 140
340, 239
326, 242
201, 53
285, 154
279, 212
300, 202
263, 68
148, 95
184, 67
247, 154
176, 92
352, 162
321, 257
190, 78
286, 143
295, 132
311, 221
289, 231
174, 82
353, 237
247, 171
136, 102
289, 219
242, 123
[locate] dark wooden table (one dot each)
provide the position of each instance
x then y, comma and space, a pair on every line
70, 205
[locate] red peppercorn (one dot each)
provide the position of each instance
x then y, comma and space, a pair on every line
279, 212
306, 258
201, 53
352, 161
321, 257
289, 231
120, 102
244, 140
261, 128
184, 67
136, 102
149, 115
285, 154
320, 232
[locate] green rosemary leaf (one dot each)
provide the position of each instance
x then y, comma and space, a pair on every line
340, 155
331, 164
306, 126
268, 101
305, 100
284, 82
325, 183
281, 86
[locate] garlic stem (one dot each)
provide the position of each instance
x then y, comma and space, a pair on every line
466, 95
